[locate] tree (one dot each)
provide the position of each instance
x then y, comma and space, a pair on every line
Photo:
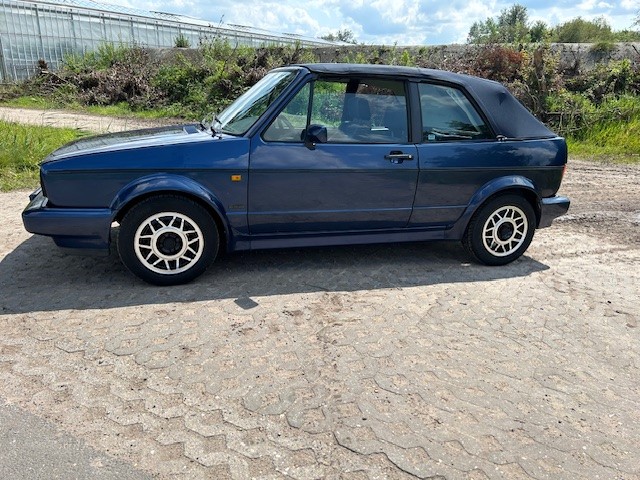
579, 30
539, 32
511, 26
484, 32
345, 36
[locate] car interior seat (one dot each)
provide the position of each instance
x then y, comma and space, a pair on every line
356, 117
395, 119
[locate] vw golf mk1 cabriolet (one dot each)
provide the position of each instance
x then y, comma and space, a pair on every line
319, 154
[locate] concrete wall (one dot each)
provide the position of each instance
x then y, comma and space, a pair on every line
572, 56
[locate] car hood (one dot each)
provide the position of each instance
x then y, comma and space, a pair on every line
149, 137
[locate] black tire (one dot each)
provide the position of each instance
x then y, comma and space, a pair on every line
501, 230
168, 240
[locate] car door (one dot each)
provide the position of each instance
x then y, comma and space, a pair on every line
458, 154
358, 174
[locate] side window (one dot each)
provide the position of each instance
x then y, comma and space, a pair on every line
351, 110
448, 115
361, 110
292, 120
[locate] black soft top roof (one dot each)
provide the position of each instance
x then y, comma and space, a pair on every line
506, 114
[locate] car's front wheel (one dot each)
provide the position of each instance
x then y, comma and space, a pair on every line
501, 230
167, 240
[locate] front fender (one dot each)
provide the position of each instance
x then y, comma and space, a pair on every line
167, 183
488, 190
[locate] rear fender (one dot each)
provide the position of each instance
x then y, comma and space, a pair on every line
512, 183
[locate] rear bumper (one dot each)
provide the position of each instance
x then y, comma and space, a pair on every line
552, 208
83, 230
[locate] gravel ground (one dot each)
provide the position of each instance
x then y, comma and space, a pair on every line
391, 361
81, 121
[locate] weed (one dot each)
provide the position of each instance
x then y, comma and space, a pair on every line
182, 41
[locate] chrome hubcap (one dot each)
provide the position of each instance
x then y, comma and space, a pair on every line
504, 231
168, 243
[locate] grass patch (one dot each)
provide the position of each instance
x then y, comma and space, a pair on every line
614, 140
41, 103
23, 147
618, 142
609, 130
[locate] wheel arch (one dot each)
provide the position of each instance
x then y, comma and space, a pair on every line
502, 186
158, 185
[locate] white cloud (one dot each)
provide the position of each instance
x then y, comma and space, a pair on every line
403, 22
273, 16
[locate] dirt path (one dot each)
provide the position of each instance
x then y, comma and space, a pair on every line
605, 200
81, 121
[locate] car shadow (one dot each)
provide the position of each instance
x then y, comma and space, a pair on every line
36, 276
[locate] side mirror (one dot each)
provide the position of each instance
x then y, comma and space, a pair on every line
314, 134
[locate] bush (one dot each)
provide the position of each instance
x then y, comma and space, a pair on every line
606, 79
499, 63
182, 41
604, 47
105, 56
579, 30
569, 113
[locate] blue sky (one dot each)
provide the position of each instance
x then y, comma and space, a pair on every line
405, 22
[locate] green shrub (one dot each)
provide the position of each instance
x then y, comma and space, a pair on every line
568, 113
603, 47
579, 30
103, 57
182, 41
606, 79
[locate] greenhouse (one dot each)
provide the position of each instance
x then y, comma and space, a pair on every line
31, 31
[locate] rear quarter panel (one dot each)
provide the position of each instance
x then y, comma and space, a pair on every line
451, 174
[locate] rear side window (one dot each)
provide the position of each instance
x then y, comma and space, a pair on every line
448, 115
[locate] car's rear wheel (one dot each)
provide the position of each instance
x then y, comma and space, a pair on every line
167, 240
501, 230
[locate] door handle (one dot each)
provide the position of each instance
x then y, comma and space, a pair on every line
398, 157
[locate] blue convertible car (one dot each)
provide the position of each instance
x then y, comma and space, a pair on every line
319, 154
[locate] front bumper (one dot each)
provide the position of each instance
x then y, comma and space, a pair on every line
552, 208
83, 230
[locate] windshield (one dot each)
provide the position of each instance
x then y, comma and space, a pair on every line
245, 111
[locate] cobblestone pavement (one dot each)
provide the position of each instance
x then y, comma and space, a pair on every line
391, 361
